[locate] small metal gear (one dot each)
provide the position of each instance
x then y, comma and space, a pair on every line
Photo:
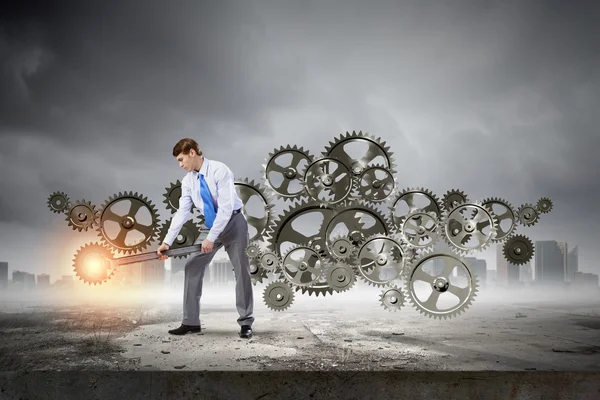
93, 263
503, 230
257, 272
187, 236
253, 250
283, 169
82, 216
278, 296
340, 276
392, 299
454, 197
260, 214
469, 227
544, 205
371, 151
328, 181
270, 261
380, 260
303, 266
420, 230
172, 195
518, 249
376, 184
113, 218
433, 274
413, 199
59, 202
341, 248
527, 215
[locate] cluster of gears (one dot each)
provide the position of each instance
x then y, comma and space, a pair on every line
346, 219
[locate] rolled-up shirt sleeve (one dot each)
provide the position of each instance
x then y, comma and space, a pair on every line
182, 214
225, 198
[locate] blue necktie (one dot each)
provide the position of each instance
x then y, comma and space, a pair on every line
210, 211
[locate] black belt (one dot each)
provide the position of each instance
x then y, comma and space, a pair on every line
236, 211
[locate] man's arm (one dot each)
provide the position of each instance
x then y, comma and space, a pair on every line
225, 199
182, 214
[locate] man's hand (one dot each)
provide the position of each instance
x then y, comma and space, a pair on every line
207, 246
163, 247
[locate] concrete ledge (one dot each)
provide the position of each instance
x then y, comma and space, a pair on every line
300, 384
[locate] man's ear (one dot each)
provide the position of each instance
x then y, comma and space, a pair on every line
192, 153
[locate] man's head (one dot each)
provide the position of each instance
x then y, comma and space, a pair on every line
188, 154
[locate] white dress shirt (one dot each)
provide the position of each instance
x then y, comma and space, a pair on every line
220, 181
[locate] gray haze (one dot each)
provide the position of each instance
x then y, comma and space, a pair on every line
497, 98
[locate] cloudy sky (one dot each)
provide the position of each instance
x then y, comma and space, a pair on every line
497, 98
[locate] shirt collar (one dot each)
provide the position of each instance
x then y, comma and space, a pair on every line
204, 167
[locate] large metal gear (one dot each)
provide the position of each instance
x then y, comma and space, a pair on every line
303, 266
433, 274
507, 220
527, 215
544, 205
260, 214
93, 263
412, 199
285, 231
278, 296
357, 220
392, 299
172, 195
283, 169
59, 202
372, 151
340, 276
380, 260
328, 181
469, 227
82, 216
187, 236
119, 219
376, 184
421, 230
518, 249
453, 198
321, 287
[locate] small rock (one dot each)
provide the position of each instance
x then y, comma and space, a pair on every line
300, 337
166, 341
165, 352
137, 344
530, 369
347, 340
398, 333
179, 366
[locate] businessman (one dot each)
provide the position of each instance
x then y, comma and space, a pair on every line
209, 185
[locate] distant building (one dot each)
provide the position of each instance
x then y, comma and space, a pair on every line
24, 280
491, 277
507, 274
525, 272
550, 262
43, 280
65, 281
221, 272
3, 275
177, 280
153, 273
582, 280
572, 263
480, 269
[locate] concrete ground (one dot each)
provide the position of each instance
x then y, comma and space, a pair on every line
355, 334
347, 331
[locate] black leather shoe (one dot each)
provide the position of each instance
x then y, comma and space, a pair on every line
183, 329
246, 332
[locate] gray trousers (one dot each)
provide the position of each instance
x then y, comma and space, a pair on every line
235, 239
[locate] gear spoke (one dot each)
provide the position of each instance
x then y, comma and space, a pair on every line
431, 302
461, 293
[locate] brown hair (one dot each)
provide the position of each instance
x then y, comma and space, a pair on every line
185, 145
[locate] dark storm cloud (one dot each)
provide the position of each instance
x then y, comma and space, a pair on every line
496, 98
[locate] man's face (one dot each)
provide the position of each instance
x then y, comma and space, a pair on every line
186, 161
